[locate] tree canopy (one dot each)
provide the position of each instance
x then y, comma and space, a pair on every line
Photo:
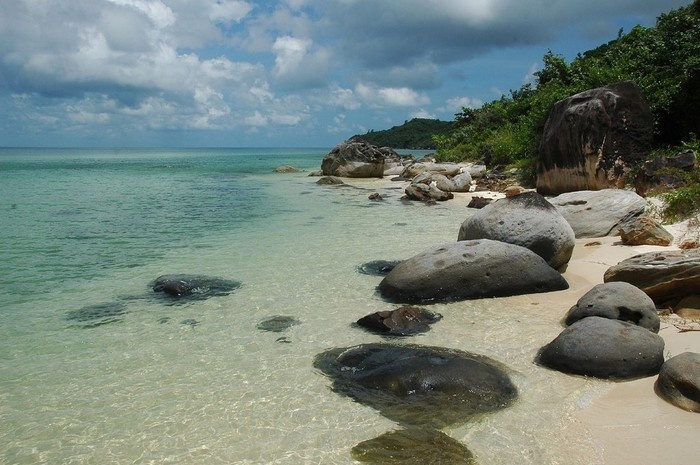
414, 134
663, 60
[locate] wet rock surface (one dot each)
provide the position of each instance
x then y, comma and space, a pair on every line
418, 385
378, 267
679, 381
91, 316
278, 323
403, 321
193, 287
413, 446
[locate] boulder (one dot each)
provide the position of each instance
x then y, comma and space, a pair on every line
193, 287
278, 323
599, 213
418, 385
470, 270
592, 139
604, 348
446, 169
413, 446
527, 220
479, 202
679, 381
354, 159
644, 231
427, 193
286, 169
403, 321
91, 316
665, 276
617, 301
330, 181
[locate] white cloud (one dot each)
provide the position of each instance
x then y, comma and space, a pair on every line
229, 10
391, 96
299, 63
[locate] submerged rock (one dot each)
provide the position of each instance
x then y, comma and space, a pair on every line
194, 287
278, 323
418, 385
470, 270
605, 348
413, 446
378, 267
403, 321
91, 316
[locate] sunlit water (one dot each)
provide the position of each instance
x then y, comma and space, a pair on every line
198, 383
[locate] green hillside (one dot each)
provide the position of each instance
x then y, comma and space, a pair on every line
416, 134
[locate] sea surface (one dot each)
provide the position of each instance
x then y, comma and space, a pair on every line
96, 369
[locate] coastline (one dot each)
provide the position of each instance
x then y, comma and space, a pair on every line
627, 422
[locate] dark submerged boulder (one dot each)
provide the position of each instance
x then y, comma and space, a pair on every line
592, 139
413, 446
679, 381
604, 348
418, 385
528, 220
194, 287
470, 270
278, 323
91, 316
403, 321
378, 267
617, 301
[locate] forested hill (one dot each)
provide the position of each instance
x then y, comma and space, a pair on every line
415, 134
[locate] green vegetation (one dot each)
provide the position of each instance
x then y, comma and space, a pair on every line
663, 60
415, 134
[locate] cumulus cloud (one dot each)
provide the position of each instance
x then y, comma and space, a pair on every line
227, 64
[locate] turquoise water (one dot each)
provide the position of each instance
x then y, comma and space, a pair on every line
198, 383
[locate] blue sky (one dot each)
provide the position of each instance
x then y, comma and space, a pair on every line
302, 73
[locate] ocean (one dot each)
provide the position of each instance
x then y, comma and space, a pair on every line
95, 369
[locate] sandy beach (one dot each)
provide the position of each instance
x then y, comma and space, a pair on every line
628, 423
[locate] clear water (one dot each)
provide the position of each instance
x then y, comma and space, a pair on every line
198, 383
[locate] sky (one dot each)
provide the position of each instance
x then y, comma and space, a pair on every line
274, 73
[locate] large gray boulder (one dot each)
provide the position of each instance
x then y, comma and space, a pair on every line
617, 301
666, 276
418, 385
470, 270
605, 348
427, 192
679, 381
599, 213
528, 220
354, 159
592, 139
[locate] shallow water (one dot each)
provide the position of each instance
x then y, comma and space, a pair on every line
88, 227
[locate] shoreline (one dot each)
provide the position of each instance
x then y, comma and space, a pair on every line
627, 422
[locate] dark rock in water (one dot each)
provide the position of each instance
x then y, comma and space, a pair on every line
330, 181
470, 270
163, 320
378, 267
618, 301
277, 324
403, 321
375, 196
605, 348
355, 159
413, 446
97, 315
418, 385
679, 381
479, 202
193, 287
191, 322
